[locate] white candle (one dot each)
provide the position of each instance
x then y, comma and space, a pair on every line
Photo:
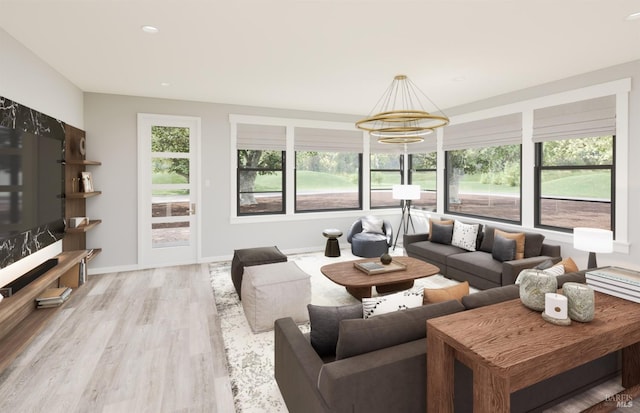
555, 306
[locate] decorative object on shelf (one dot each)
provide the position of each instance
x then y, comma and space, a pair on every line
386, 259
76, 222
555, 309
400, 116
534, 284
82, 148
87, 181
406, 194
593, 240
581, 299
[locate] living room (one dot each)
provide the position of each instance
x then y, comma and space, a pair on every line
110, 121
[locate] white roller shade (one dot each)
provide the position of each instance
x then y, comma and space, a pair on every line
499, 131
583, 119
261, 137
327, 140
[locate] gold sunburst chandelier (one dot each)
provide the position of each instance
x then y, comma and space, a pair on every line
400, 117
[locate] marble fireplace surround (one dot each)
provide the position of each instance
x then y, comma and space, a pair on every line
16, 116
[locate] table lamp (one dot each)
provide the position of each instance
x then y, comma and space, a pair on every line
405, 193
592, 240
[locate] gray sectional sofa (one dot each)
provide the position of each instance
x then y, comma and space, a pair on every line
380, 363
480, 267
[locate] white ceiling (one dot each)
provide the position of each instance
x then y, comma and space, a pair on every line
322, 55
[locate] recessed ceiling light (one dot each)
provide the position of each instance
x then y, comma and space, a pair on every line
165, 84
150, 29
459, 79
634, 16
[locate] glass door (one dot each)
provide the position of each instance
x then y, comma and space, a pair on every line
167, 190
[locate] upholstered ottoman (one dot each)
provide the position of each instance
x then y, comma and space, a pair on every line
252, 256
273, 291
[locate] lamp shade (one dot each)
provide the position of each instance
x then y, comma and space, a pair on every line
406, 192
593, 239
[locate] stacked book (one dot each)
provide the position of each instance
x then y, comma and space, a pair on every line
53, 297
616, 281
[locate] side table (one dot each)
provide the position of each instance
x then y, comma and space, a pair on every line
332, 248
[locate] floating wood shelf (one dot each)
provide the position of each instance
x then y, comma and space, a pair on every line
84, 228
81, 162
79, 195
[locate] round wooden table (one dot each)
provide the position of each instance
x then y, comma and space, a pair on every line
359, 283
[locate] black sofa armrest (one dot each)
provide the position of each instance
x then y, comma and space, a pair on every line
411, 238
550, 250
392, 379
296, 368
511, 269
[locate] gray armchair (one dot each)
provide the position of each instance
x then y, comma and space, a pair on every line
368, 239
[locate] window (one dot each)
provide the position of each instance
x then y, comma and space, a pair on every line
385, 171
422, 171
483, 164
261, 177
328, 173
575, 164
484, 182
261, 182
575, 175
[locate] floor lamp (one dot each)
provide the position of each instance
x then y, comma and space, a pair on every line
405, 193
592, 240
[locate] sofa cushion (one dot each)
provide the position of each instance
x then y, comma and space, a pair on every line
438, 295
465, 235
477, 263
433, 251
504, 249
441, 233
491, 296
365, 335
325, 324
438, 221
518, 236
532, 244
403, 300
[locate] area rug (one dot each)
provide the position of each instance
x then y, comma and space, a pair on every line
250, 356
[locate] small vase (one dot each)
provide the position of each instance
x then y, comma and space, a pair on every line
534, 284
581, 301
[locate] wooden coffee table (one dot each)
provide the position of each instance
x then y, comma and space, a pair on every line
359, 283
510, 347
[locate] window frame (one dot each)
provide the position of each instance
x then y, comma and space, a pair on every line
411, 170
282, 170
538, 170
400, 170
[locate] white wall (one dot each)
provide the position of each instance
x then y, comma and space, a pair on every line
26, 79
112, 139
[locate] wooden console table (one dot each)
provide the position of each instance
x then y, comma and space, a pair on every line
509, 347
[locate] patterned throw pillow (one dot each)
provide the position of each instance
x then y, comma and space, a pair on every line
393, 302
465, 235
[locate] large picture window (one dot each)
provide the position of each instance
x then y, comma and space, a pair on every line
422, 171
484, 182
575, 175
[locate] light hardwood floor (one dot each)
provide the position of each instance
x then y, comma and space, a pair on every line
143, 341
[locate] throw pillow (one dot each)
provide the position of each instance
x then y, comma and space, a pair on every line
544, 265
325, 324
438, 295
518, 236
441, 233
487, 240
372, 224
465, 235
532, 244
504, 249
555, 270
440, 221
393, 302
569, 265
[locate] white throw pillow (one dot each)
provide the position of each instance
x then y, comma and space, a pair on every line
556, 270
465, 235
372, 224
393, 302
